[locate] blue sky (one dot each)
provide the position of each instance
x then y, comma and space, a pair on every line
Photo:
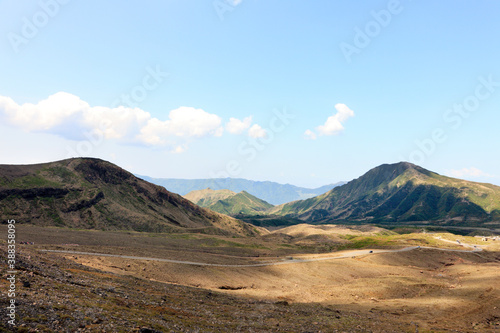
300, 92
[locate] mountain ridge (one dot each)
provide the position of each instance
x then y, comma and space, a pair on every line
228, 202
400, 192
91, 193
271, 192
208, 197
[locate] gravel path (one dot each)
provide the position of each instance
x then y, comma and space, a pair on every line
289, 260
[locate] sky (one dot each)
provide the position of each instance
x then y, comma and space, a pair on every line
292, 91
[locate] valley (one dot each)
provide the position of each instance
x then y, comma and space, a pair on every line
410, 280
99, 249
250, 166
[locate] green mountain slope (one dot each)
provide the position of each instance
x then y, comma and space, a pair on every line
400, 192
207, 197
271, 192
94, 194
228, 202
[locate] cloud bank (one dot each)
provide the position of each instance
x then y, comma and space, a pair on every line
333, 125
68, 116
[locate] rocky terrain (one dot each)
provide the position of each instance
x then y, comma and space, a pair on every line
134, 257
95, 194
59, 295
423, 290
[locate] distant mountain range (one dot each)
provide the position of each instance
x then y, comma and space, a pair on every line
271, 192
229, 202
397, 193
94, 194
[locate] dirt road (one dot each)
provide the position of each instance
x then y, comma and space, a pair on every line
289, 260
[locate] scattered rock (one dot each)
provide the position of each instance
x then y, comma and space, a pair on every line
148, 330
231, 288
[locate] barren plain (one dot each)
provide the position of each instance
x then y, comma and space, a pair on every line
296, 279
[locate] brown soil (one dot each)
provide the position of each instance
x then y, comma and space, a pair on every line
422, 290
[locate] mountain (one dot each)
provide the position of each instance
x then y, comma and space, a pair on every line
94, 194
207, 197
273, 193
400, 192
228, 202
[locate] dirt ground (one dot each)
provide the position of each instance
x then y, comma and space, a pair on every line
428, 287
424, 290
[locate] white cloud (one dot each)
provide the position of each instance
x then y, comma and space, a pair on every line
184, 122
469, 172
47, 114
257, 132
191, 122
310, 135
333, 124
68, 116
115, 123
236, 126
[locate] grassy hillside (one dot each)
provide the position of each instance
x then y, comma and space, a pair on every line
207, 197
228, 202
401, 192
94, 194
241, 203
